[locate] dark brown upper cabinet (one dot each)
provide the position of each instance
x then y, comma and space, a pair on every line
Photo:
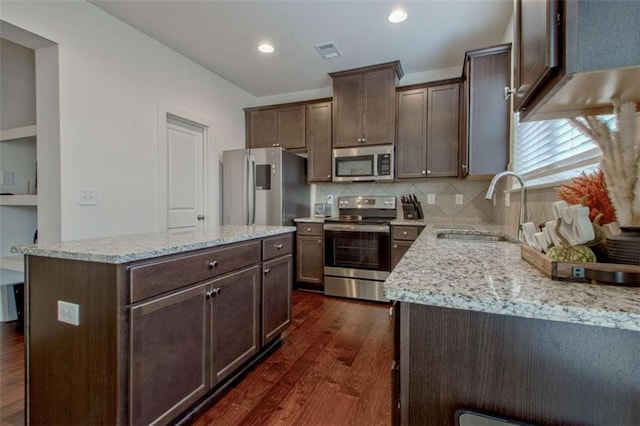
319, 141
428, 131
364, 105
486, 113
272, 126
572, 57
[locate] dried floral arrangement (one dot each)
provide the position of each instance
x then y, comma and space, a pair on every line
598, 200
620, 162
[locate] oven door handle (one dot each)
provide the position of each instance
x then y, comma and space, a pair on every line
381, 229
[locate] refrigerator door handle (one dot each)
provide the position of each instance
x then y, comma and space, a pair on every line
246, 189
252, 189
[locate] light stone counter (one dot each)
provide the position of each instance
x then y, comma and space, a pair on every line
491, 277
127, 248
311, 219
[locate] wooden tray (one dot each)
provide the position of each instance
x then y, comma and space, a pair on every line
601, 273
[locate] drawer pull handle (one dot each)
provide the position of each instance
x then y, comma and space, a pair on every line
213, 264
266, 271
404, 233
278, 246
308, 229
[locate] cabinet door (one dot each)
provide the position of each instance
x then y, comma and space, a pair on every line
169, 365
537, 53
379, 107
398, 249
262, 128
488, 130
235, 322
443, 131
412, 134
347, 110
276, 297
319, 141
310, 259
291, 127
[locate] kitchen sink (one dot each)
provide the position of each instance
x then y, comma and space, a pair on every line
482, 237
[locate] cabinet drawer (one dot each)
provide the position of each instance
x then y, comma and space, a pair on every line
151, 279
406, 232
277, 246
310, 229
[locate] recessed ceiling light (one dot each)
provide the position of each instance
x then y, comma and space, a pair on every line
397, 15
266, 48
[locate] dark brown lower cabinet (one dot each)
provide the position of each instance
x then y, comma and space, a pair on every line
528, 370
235, 321
276, 297
156, 337
169, 355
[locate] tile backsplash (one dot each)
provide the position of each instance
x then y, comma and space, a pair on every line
473, 208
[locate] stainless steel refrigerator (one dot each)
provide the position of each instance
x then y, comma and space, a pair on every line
263, 186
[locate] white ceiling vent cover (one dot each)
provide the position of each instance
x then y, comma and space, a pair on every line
328, 50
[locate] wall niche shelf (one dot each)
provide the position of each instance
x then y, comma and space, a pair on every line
18, 133
19, 200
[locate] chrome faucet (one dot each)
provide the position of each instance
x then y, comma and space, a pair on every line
523, 205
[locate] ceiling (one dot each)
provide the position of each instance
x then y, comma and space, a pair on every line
223, 36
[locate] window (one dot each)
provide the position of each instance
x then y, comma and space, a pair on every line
551, 151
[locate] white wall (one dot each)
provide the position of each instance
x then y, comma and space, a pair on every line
111, 79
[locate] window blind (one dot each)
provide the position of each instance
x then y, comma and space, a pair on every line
553, 150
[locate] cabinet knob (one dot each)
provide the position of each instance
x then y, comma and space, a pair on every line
209, 294
213, 264
395, 246
329, 176
308, 229
278, 246
319, 241
424, 172
428, 172
216, 291
200, 217
464, 167
404, 232
266, 271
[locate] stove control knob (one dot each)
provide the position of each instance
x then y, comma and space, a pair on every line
346, 203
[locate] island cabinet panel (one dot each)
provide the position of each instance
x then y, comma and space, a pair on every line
71, 370
235, 321
529, 370
364, 105
157, 277
276, 297
169, 355
319, 122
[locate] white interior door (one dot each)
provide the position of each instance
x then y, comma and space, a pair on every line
185, 167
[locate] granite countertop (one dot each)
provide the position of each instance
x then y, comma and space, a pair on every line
311, 219
128, 248
491, 277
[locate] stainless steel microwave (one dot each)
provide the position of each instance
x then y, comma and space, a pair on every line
367, 163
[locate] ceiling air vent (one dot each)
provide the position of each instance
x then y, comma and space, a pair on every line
328, 50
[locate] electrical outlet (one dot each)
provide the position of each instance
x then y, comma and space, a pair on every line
459, 199
68, 313
507, 199
88, 197
6, 178
431, 198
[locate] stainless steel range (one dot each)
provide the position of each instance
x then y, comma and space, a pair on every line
358, 247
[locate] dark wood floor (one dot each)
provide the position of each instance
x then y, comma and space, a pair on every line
333, 368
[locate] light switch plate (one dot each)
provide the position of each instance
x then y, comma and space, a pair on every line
431, 198
459, 199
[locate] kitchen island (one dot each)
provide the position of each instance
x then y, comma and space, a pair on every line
478, 328
147, 328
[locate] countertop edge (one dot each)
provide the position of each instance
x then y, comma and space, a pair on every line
60, 253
